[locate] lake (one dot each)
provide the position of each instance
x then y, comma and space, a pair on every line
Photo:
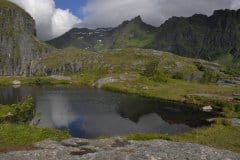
90, 113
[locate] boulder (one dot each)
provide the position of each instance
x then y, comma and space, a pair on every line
104, 81
119, 149
207, 108
61, 78
16, 82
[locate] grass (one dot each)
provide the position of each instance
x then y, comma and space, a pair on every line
5, 109
220, 135
230, 109
17, 136
7, 4
175, 90
133, 62
37, 80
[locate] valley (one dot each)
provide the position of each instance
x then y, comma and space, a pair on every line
190, 62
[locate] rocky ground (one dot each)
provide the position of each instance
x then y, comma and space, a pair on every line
119, 149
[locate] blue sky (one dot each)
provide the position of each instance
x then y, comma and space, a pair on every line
74, 6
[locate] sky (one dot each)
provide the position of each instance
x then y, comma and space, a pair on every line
55, 17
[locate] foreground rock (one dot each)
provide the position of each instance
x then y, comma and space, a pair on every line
119, 149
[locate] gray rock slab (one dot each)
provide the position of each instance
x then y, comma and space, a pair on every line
119, 149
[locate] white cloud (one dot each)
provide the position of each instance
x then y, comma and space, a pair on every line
50, 21
235, 4
107, 13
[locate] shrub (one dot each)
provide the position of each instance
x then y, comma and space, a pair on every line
24, 110
210, 77
178, 75
41, 81
159, 77
151, 68
152, 73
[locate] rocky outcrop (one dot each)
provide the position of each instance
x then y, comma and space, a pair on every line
18, 44
119, 149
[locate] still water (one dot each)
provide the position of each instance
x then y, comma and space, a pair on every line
89, 113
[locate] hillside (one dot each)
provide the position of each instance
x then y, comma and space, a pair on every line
198, 36
128, 60
18, 42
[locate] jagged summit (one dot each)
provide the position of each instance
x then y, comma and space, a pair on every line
198, 36
137, 19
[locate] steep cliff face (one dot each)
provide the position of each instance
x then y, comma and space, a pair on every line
18, 44
200, 36
223, 35
183, 36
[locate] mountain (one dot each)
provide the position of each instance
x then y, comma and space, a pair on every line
134, 33
82, 38
198, 36
18, 43
201, 36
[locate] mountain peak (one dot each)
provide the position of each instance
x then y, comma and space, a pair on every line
137, 19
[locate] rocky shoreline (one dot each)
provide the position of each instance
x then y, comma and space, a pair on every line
119, 149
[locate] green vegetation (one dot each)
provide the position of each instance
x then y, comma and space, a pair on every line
147, 73
10, 5
174, 90
151, 71
21, 112
21, 136
36, 81
229, 108
15, 133
220, 135
210, 77
146, 137
197, 36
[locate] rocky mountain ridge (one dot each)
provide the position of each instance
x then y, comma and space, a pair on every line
198, 36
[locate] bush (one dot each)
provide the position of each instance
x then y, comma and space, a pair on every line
178, 75
41, 81
159, 77
152, 73
209, 77
151, 68
24, 110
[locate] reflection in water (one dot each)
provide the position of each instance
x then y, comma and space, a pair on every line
91, 113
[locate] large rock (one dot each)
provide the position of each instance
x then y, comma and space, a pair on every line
119, 149
101, 82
